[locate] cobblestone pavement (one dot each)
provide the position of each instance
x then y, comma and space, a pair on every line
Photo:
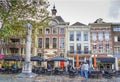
73, 79
46, 78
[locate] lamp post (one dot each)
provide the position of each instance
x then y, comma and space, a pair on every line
27, 66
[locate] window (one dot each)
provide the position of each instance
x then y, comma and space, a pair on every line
22, 51
40, 42
52, 23
78, 48
71, 48
106, 35
14, 50
94, 37
85, 36
62, 31
61, 42
54, 30
116, 28
2, 50
94, 47
101, 48
86, 48
107, 48
47, 31
78, 38
117, 50
117, 38
47, 43
100, 36
54, 42
71, 36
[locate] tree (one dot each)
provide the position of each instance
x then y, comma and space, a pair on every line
16, 14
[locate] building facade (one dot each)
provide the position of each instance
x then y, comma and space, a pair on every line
78, 42
102, 43
116, 41
51, 41
13, 46
116, 38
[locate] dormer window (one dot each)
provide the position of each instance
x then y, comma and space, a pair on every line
100, 20
52, 23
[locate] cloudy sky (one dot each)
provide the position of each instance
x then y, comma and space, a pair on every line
87, 11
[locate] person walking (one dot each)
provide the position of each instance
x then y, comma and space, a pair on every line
81, 70
85, 70
49, 67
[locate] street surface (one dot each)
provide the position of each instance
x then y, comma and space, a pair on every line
53, 78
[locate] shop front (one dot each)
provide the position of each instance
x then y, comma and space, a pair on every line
105, 63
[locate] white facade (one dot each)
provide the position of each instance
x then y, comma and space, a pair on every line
77, 44
82, 30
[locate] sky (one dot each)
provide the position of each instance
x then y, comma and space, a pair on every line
87, 11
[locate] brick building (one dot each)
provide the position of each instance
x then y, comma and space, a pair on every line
102, 43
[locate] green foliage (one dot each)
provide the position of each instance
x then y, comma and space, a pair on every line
13, 10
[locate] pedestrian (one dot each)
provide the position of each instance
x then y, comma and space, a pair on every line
85, 70
68, 67
49, 67
81, 69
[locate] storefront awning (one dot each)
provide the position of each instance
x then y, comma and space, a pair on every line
106, 60
57, 58
37, 58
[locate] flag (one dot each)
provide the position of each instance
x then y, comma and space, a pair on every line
94, 65
77, 61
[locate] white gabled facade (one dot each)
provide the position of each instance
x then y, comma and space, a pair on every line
78, 42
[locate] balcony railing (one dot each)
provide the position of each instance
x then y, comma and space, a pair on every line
79, 52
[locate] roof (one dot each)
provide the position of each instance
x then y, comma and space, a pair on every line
100, 20
78, 24
59, 18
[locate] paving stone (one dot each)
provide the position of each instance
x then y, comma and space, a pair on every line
52, 78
